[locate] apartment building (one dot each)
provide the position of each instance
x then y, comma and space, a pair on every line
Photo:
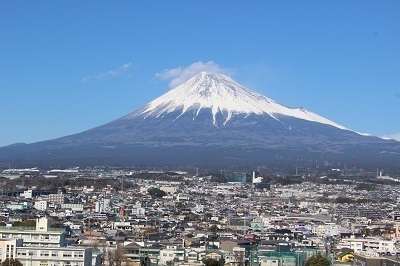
12, 248
42, 235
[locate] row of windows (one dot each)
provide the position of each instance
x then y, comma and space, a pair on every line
10, 251
27, 237
56, 263
66, 254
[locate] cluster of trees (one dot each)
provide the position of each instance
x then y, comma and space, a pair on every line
11, 262
213, 262
373, 232
27, 223
167, 176
61, 182
364, 200
156, 193
115, 257
318, 260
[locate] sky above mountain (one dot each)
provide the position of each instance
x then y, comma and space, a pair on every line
67, 66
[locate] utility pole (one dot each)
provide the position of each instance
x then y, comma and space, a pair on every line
31, 254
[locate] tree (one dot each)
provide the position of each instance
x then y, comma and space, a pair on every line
27, 223
11, 262
115, 257
57, 225
239, 256
156, 192
377, 232
210, 262
119, 256
214, 228
318, 260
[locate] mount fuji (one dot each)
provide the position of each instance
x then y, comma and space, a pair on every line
210, 120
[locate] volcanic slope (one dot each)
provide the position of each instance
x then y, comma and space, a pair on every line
209, 119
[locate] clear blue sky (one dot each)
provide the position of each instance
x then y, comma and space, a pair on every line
68, 66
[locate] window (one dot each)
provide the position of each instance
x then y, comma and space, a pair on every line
78, 254
44, 253
67, 254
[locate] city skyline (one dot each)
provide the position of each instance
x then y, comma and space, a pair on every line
68, 68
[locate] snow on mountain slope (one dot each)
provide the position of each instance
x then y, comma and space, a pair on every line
222, 95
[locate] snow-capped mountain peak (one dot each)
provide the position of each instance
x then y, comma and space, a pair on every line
222, 95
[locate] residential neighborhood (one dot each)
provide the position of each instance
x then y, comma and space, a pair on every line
121, 217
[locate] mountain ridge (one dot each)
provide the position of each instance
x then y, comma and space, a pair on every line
210, 119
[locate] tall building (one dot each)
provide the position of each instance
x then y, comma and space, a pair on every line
43, 245
41, 235
397, 224
12, 248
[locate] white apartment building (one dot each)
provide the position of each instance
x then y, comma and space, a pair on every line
13, 248
169, 189
56, 256
8, 248
73, 206
27, 194
361, 244
171, 254
58, 198
103, 205
41, 205
42, 235
327, 229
